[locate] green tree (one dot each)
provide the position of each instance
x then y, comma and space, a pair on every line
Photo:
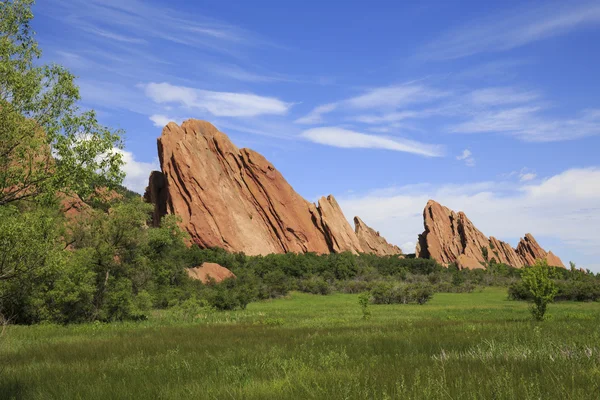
31, 251
538, 282
363, 302
47, 143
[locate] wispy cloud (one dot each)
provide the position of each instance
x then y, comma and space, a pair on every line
524, 175
160, 120
501, 95
316, 115
220, 104
529, 124
339, 137
467, 157
508, 31
113, 35
133, 20
394, 96
528, 176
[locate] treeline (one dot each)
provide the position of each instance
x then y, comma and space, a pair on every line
570, 287
111, 265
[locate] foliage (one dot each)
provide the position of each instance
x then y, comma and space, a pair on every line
578, 286
390, 293
114, 269
315, 285
28, 240
537, 280
363, 302
47, 144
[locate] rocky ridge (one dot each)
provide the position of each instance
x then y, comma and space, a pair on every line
372, 242
235, 199
450, 237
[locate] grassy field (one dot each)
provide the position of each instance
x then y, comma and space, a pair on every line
457, 346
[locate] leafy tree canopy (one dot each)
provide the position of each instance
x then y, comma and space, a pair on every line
48, 144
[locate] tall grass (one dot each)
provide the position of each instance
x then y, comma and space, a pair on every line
458, 346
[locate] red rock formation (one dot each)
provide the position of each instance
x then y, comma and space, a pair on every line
502, 252
72, 206
371, 242
235, 199
340, 235
210, 270
530, 251
156, 194
451, 237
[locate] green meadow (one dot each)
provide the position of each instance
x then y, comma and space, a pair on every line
458, 346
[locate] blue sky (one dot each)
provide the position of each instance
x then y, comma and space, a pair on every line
488, 107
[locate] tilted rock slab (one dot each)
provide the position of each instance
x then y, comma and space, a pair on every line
340, 235
530, 251
372, 242
235, 199
450, 237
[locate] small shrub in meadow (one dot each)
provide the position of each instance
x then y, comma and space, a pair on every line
538, 281
363, 301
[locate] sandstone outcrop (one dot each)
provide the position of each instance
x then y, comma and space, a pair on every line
450, 237
529, 250
210, 270
372, 242
338, 232
72, 206
156, 194
235, 199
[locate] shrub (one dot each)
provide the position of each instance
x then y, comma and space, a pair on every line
363, 301
315, 285
354, 286
276, 284
518, 291
537, 280
389, 293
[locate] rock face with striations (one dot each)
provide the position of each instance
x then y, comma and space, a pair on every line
372, 242
529, 250
235, 199
340, 235
450, 237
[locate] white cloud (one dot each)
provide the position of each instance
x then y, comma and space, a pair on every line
126, 21
505, 32
136, 172
160, 121
501, 95
316, 115
220, 104
114, 36
394, 96
467, 157
528, 176
528, 124
408, 247
506, 110
339, 137
564, 210
390, 117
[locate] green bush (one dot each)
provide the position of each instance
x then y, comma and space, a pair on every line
393, 293
315, 285
538, 281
